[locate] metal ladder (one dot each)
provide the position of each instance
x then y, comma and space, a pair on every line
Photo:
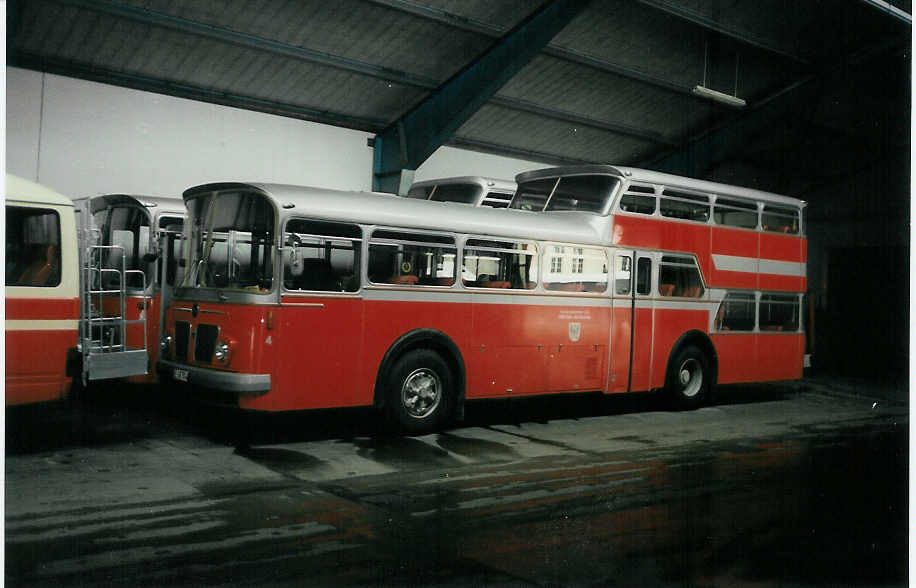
103, 338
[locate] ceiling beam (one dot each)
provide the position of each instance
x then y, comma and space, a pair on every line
891, 10
579, 120
222, 34
189, 91
555, 51
684, 13
407, 142
176, 23
507, 150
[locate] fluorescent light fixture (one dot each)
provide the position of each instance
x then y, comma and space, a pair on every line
722, 97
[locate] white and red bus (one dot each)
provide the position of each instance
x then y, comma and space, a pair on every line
42, 293
472, 190
125, 273
303, 298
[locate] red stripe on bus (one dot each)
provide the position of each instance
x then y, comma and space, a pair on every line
42, 308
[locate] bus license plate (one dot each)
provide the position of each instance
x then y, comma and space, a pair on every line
180, 375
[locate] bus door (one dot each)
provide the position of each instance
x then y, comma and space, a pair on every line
170, 271
631, 340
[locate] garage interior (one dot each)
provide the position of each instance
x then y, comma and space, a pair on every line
809, 99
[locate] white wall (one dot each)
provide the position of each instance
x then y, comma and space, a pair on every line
83, 138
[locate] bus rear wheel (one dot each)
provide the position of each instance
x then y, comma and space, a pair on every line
689, 378
420, 392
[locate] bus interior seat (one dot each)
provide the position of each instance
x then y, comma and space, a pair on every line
666, 289
405, 280
44, 267
317, 274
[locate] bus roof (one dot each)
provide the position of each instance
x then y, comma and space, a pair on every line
154, 203
391, 210
634, 174
485, 182
22, 190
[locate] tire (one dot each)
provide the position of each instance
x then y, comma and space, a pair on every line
420, 392
689, 378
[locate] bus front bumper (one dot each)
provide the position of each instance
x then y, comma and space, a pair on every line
247, 384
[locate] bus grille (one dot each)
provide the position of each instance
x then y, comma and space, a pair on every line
182, 334
206, 342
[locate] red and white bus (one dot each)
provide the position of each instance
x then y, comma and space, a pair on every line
472, 190
125, 273
303, 298
42, 293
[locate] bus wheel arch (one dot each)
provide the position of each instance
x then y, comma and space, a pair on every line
431, 340
692, 370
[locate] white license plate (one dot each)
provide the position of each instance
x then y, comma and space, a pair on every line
180, 375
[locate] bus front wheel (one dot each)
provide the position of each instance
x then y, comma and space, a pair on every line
420, 392
689, 378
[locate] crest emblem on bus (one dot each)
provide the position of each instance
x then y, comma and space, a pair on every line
575, 330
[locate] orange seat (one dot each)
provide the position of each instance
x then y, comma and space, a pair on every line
408, 280
666, 289
41, 270
495, 284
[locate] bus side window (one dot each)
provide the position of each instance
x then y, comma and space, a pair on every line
737, 312
411, 259
574, 269
321, 256
32, 247
679, 276
643, 276
622, 273
780, 219
499, 264
779, 312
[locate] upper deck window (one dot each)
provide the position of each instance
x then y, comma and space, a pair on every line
410, 259
684, 205
231, 242
585, 193
780, 219
735, 213
32, 247
460, 193
420, 192
638, 199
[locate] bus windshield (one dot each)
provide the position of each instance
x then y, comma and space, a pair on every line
585, 193
231, 242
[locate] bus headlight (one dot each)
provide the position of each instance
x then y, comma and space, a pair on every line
221, 353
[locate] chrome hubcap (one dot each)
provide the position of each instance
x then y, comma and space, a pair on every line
690, 377
421, 393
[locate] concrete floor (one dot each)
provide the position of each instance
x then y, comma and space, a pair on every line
801, 484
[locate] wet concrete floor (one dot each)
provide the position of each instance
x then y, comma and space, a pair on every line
771, 486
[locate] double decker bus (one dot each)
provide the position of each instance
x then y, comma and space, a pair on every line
302, 298
472, 190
